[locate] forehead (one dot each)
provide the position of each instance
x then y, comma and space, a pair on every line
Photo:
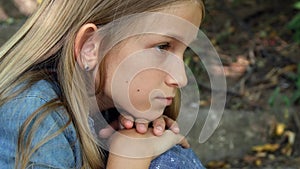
179, 21
158, 23
187, 10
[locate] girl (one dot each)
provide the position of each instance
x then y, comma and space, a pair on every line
45, 113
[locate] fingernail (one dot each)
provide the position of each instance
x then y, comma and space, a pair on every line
176, 129
142, 127
159, 128
103, 133
127, 122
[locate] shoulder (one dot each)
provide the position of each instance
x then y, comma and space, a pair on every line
42, 89
33, 97
28, 101
16, 111
27, 104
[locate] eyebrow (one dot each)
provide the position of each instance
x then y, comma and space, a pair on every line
173, 36
179, 38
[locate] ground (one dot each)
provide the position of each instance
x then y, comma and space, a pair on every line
260, 127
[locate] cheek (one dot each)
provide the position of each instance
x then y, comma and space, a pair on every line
107, 82
139, 98
111, 63
141, 87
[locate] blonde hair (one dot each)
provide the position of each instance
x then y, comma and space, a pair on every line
48, 37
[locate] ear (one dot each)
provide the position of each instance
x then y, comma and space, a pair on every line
86, 49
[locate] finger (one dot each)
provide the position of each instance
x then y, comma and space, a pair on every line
171, 124
126, 121
184, 143
109, 130
141, 126
159, 126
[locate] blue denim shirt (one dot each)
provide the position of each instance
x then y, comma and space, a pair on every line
62, 151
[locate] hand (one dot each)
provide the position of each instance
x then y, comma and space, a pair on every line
159, 126
129, 149
130, 144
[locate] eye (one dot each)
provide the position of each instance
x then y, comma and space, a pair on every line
163, 47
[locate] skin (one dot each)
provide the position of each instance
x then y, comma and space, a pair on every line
142, 84
127, 121
151, 79
146, 80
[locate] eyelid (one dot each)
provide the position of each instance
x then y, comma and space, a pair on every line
167, 45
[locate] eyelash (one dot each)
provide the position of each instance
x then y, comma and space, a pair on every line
163, 46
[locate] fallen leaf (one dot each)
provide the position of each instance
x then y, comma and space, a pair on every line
287, 150
258, 162
250, 159
266, 147
279, 129
291, 137
216, 164
261, 154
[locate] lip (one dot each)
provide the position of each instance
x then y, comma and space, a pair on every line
166, 100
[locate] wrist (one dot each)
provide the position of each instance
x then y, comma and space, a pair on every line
130, 144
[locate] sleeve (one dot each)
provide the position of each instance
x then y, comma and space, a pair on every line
57, 152
177, 158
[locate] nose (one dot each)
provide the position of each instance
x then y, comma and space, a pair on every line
176, 76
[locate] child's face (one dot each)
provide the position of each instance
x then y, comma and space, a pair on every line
150, 86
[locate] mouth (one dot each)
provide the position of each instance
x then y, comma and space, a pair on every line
165, 100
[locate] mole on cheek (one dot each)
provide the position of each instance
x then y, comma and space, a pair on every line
138, 90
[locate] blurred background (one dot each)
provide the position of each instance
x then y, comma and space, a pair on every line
259, 44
